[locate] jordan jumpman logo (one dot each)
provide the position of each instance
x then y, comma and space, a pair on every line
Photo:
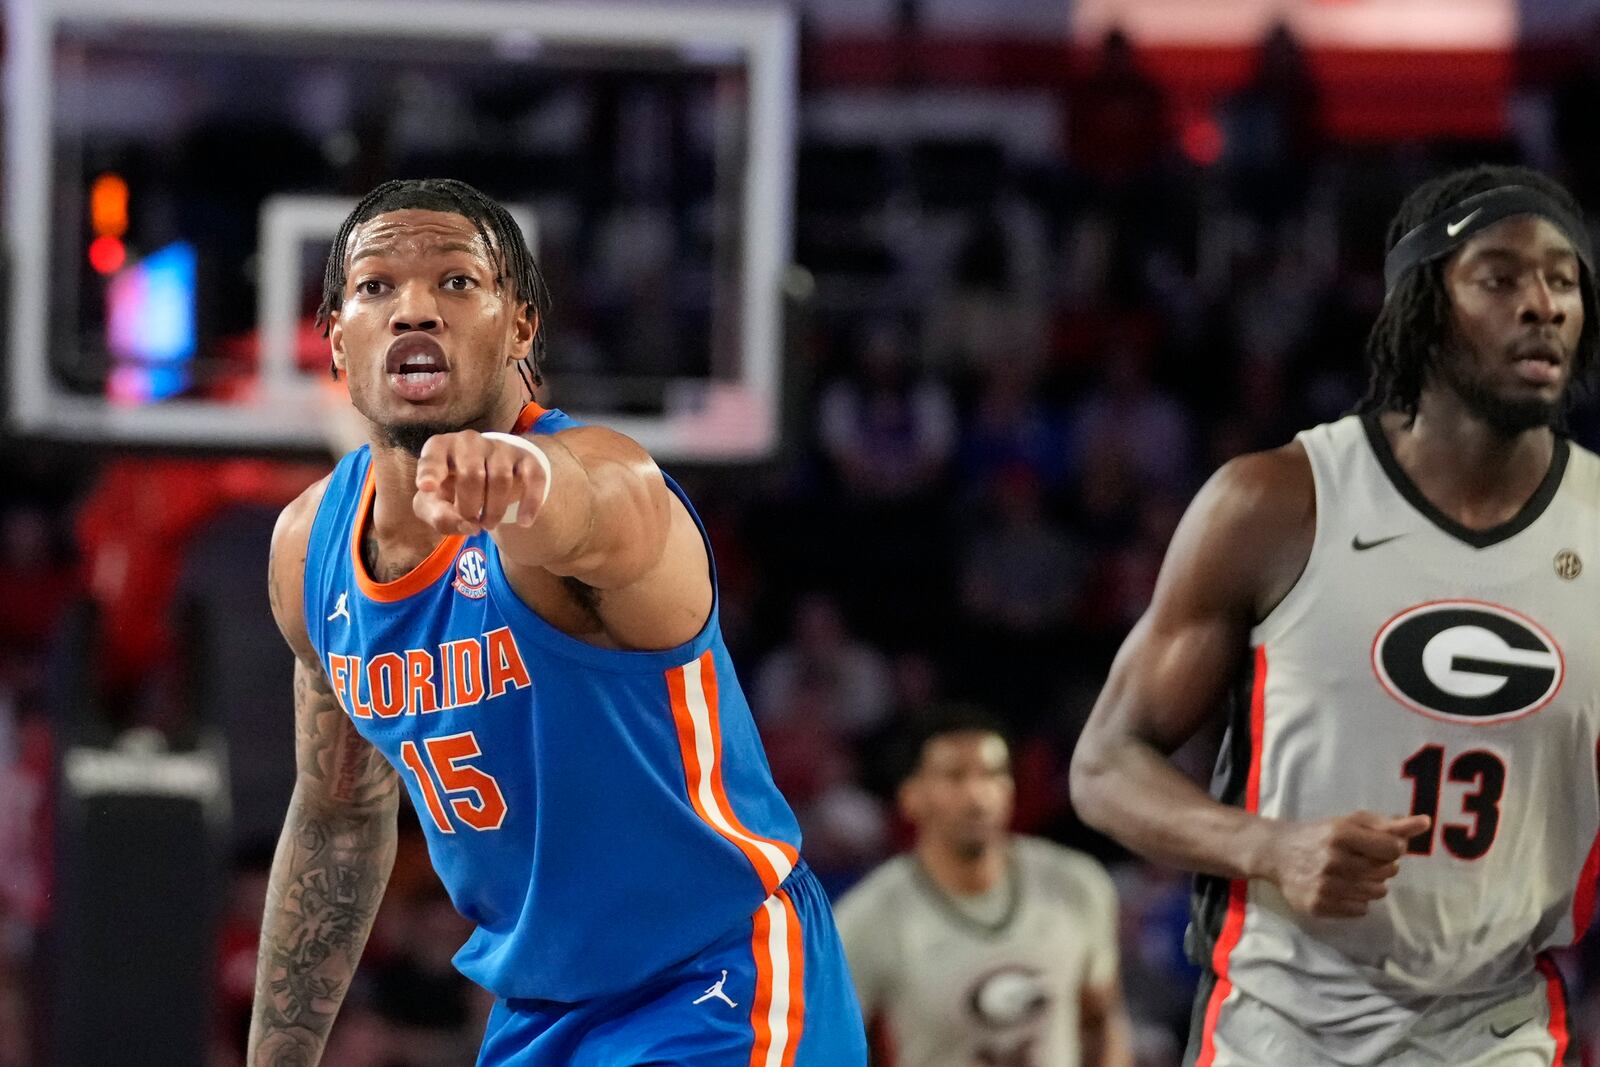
341, 608
716, 993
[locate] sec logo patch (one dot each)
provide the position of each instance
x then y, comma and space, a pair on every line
472, 573
1468, 661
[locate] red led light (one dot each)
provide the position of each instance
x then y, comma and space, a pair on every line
107, 255
1203, 140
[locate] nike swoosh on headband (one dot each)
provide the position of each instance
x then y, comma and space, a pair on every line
1449, 229
1455, 227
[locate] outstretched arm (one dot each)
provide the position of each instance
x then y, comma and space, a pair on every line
1238, 551
337, 847
587, 504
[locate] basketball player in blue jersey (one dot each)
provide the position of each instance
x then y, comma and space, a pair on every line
1403, 605
513, 617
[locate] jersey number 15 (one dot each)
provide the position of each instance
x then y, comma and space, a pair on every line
481, 806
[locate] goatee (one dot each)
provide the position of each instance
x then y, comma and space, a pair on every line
1508, 417
412, 436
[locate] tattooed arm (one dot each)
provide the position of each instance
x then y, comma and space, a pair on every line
338, 841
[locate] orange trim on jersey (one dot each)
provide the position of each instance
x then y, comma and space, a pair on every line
531, 413
761, 1005
702, 766
1556, 990
1239, 890
421, 576
708, 682
1583, 897
780, 983
797, 980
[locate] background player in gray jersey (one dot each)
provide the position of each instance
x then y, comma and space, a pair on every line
1489, 317
982, 948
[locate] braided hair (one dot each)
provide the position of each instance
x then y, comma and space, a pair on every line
1412, 331
501, 236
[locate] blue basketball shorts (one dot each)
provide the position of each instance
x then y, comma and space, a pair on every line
773, 992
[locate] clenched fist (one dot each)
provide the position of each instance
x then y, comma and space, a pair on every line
470, 481
1335, 868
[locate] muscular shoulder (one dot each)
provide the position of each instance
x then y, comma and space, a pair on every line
1248, 534
1263, 496
286, 567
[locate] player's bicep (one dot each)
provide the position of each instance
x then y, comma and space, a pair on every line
1168, 677
1176, 663
634, 524
1239, 548
334, 765
645, 557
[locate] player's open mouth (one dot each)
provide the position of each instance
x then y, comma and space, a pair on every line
417, 368
1540, 365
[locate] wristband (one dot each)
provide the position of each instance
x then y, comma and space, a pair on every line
537, 453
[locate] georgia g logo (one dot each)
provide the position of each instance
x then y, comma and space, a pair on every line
1468, 661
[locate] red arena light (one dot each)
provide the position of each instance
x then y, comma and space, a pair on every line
1203, 140
107, 255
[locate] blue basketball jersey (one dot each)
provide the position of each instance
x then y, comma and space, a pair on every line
599, 815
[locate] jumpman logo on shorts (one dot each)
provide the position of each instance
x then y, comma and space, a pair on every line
341, 607
716, 993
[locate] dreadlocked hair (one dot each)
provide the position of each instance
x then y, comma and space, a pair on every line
501, 236
1413, 329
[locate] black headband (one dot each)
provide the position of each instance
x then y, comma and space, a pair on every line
1452, 228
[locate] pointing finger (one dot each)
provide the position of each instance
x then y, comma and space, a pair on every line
471, 484
433, 465
441, 514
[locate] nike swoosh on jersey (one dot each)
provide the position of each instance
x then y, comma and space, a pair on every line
1508, 1031
1361, 546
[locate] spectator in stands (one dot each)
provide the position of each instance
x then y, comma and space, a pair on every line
885, 753
1020, 584
1125, 412
1122, 586
1272, 130
1119, 124
850, 678
1575, 103
887, 431
1013, 425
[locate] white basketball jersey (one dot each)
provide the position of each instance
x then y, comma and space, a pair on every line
956, 992
1417, 666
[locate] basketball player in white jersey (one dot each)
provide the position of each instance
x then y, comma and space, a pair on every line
1404, 606
981, 948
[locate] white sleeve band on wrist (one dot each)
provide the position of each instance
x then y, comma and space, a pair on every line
537, 453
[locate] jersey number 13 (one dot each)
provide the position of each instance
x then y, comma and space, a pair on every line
1483, 773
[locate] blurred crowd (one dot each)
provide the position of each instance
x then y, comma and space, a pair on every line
1016, 372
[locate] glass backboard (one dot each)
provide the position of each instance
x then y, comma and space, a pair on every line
176, 171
